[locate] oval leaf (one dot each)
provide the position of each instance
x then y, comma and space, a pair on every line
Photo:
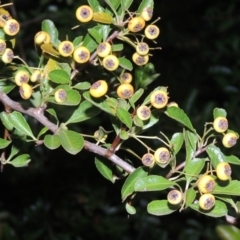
104, 166
215, 155
51, 141
4, 143
59, 76
130, 209
228, 188
177, 142
5, 121
125, 117
125, 63
161, 207
20, 161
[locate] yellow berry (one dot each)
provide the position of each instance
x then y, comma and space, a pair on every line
99, 89
8, 55
21, 77
125, 90
148, 160
110, 62
151, 31
136, 24
144, 112
139, 59
25, 91
84, 13
126, 77
206, 184
159, 99
81, 54
206, 201
60, 95
220, 124
66, 48
174, 197
229, 139
162, 155
4, 17
11, 27
223, 171
36, 76
3, 46
142, 48
147, 13
104, 49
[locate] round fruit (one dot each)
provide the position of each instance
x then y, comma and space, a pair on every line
144, 112
21, 77
162, 155
25, 91
99, 88
229, 139
223, 171
174, 197
125, 90
220, 124
147, 13
110, 62
66, 48
36, 76
8, 55
136, 24
172, 104
206, 201
81, 54
3, 46
148, 160
40, 37
151, 31
84, 13
100, 136
126, 77
139, 59
159, 99
104, 49
206, 184
142, 48
11, 27
60, 95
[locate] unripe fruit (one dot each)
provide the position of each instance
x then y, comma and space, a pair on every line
159, 99
21, 77
206, 201
148, 160
66, 48
8, 55
162, 155
125, 90
144, 112
60, 95
223, 171
110, 62
40, 37
84, 13
229, 139
142, 48
139, 59
4, 17
81, 54
100, 136
220, 124
151, 31
172, 104
3, 46
104, 49
147, 13
126, 77
25, 91
11, 27
136, 24
206, 184
99, 89
36, 76
174, 197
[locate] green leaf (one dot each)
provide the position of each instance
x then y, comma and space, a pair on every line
228, 188
14, 150
152, 183
59, 76
94, 4
177, 142
144, 4
130, 209
43, 130
219, 210
84, 111
90, 43
126, 4
180, 116
153, 119
137, 121
104, 166
219, 112
71, 141
125, 63
6, 86
96, 34
49, 27
53, 113
136, 97
82, 86
117, 47
20, 161
232, 159
128, 186
161, 207
105, 31
52, 141
77, 41
125, 117
215, 155
20, 123
102, 17
227, 232
123, 135
190, 196
5, 121
4, 143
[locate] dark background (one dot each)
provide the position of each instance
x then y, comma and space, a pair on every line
61, 197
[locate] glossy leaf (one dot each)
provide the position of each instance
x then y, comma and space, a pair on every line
125, 117
96, 34
104, 166
161, 207
177, 142
125, 63
130, 209
49, 27
228, 188
20, 161
52, 141
59, 76
219, 112
232, 159
4, 143
215, 155
102, 17
71, 141
4, 118
128, 186
94, 4
144, 4
89, 43
190, 196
